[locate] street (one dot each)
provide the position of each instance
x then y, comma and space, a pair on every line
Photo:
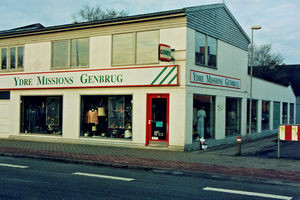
38, 179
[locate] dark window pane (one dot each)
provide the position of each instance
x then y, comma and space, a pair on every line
4, 58
12, 58
212, 51
20, 57
4, 95
199, 49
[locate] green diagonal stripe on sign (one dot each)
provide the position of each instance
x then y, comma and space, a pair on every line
172, 79
167, 75
159, 75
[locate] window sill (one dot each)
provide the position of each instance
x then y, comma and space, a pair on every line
207, 66
11, 70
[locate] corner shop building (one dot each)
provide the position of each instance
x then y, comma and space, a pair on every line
115, 82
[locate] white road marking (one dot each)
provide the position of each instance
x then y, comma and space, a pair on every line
247, 193
10, 165
104, 176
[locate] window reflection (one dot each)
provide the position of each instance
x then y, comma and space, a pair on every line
200, 49
3, 58
123, 49
13, 58
60, 53
79, 52
147, 47
211, 51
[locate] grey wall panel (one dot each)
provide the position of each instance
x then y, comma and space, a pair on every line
218, 23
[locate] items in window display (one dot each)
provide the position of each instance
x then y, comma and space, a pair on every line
110, 117
38, 115
201, 115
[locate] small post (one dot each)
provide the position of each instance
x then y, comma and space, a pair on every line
238, 146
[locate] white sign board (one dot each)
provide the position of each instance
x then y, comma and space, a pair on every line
116, 77
214, 80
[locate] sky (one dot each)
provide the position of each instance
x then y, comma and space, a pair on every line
279, 19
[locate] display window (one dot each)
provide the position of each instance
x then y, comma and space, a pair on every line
276, 115
41, 115
253, 115
233, 116
203, 116
265, 115
284, 113
291, 113
105, 116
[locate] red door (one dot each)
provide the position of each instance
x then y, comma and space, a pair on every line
157, 128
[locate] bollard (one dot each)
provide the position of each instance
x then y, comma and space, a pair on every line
238, 146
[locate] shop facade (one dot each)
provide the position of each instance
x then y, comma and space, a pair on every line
159, 79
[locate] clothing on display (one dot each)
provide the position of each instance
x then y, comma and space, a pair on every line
93, 116
201, 115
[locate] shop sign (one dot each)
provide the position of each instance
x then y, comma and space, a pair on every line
215, 80
117, 77
165, 52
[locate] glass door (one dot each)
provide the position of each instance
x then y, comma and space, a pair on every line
157, 118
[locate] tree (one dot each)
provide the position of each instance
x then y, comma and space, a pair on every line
263, 56
87, 14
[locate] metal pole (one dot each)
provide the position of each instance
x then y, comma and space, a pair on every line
250, 101
278, 155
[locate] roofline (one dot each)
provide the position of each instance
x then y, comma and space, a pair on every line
98, 23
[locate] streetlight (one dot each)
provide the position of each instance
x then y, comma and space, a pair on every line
257, 27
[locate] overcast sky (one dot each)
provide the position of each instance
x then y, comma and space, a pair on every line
280, 19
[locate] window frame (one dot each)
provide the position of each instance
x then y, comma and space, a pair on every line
69, 51
135, 33
8, 58
206, 51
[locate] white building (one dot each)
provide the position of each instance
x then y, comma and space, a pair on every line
154, 79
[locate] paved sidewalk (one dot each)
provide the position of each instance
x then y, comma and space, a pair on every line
221, 160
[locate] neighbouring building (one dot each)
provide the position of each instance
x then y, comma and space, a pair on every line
161, 79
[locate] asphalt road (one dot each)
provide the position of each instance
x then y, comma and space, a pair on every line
37, 179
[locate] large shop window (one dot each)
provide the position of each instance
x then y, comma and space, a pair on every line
41, 115
276, 115
292, 113
253, 117
106, 116
135, 48
203, 116
233, 116
265, 115
284, 113
205, 50
12, 58
70, 53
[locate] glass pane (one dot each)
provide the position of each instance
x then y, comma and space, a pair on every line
233, 116
254, 115
20, 57
41, 114
265, 117
4, 58
203, 116
147, 47
60, 54
123, 49
80, 52
291, 113
276, 115
200, 49
12, 58
211, 51
284, 113
159, 119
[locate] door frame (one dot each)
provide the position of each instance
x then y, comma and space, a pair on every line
151, 96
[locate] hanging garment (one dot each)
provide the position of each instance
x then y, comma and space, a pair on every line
201, 114
93, 116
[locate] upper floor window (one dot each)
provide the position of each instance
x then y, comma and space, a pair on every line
205, 50
70, 53
12, 58
135, 48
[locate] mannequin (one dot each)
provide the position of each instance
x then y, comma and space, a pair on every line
201, 115
93, 119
